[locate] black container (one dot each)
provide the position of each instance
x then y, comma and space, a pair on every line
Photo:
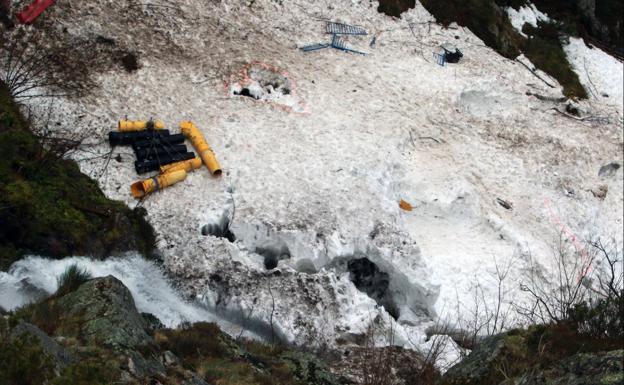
158, 140
154, 164
157, 152
116, 138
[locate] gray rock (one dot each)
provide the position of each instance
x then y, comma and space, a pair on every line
141, 366
609, 170
102, 311
168, 358
482, 364
58, 354
152, 322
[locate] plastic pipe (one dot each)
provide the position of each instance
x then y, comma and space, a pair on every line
147, 186
186, 165
158, 151
144, 166
199, 142
159, 140
139, 125
116, 138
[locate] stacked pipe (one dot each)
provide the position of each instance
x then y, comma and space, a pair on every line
156, 149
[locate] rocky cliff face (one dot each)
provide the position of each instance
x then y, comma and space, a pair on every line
95, 335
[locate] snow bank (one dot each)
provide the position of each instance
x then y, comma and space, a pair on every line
601, 74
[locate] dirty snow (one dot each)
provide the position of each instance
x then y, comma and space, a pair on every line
525, 14
317, 189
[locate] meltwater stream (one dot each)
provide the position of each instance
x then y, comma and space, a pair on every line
34, 277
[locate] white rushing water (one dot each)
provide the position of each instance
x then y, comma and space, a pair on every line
33, 277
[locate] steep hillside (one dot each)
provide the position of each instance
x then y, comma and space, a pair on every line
379, 190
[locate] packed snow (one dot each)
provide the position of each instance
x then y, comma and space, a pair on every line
311, 188
601, 74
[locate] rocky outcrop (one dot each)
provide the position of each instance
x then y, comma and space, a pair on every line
60, 357
102, 311
507, 359
605, 368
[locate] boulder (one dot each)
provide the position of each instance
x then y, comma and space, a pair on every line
494, 359
102, 311
59, 355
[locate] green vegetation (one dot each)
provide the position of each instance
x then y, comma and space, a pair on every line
23, 361
203, 348
544, 50
604, 25
49, 207
71, 279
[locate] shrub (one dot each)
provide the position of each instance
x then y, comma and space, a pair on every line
24, 362
71, 279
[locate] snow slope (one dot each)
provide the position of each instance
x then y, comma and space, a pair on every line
319, 187
600, 73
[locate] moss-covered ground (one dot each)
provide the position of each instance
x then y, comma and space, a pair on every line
48, 207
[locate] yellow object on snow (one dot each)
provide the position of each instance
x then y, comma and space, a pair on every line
142, 188
186, 165
138, 125
199, 142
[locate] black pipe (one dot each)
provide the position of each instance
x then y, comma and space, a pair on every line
171, 139
116, 138
154, 164
158, 151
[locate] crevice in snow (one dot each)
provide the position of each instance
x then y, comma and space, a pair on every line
368, 278
219, 228
273, 254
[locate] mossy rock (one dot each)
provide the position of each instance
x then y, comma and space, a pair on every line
49, 207
494, 359
102, 312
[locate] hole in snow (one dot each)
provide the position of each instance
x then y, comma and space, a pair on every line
272, 255
368, 278
220, 229
245, 92
263, 82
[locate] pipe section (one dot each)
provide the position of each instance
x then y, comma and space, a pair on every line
116, 138
157, 151
160, 140
199, 142
147, 186
186, 165
139, 125
148, 165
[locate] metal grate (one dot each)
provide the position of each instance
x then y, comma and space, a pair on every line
344, 29
314, 47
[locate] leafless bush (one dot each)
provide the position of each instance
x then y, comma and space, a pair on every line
37, 64
582, 274
377, 363
484, 316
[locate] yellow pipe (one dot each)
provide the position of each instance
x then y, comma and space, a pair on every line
186, 165
138, 125
205, 152
142, 188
